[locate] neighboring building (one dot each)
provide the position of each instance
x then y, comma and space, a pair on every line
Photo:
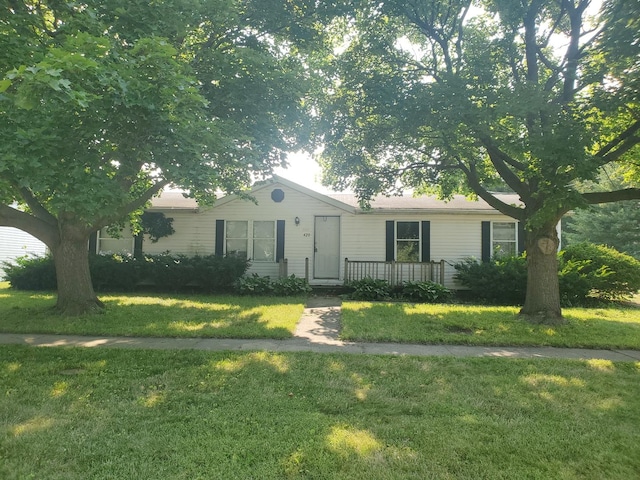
15, 243
321, 236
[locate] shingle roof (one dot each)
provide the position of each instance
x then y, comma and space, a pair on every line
175, 200
459, 203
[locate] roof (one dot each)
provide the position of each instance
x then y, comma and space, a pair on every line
423, 203
175, 200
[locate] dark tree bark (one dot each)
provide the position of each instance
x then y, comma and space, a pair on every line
542, 303
71, 258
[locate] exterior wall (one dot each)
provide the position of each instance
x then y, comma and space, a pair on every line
194, 235
454, 237
299, 239
15, 243
362, 235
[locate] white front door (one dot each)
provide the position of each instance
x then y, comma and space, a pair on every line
326, 263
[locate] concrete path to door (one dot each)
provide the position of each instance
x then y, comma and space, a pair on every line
317, 331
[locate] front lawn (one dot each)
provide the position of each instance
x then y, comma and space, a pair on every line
156, 315
487, 325
97, 414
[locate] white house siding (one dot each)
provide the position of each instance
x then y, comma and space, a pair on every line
194, 235
298, 241
15, 243
454, 236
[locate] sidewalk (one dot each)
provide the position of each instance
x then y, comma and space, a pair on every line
317, 331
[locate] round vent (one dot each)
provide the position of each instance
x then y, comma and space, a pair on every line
277, 195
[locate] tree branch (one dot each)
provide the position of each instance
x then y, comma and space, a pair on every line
36, 207
476, 186
42, 230
499, 160
133, 205
613, 196
620, 145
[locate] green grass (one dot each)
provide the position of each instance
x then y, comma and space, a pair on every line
485, 325
156, 315
93, 414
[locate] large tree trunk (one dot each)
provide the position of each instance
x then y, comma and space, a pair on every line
542, 303
71, 257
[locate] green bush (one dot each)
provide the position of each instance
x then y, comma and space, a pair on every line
586, 272
425, 292
114, 273
370, 289
254, 285
503, 280
598, 271
31, 273
291, 286
124, 273
287, 286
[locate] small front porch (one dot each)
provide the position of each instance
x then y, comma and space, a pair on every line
393, 272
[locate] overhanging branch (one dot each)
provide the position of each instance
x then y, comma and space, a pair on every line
476, 186
42, 230
613, 196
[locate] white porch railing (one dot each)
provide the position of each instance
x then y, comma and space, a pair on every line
394, 272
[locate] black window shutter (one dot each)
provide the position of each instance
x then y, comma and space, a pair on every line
426, 241
521, 234
137, 245
219, 238
390, 235
279, 240
93, 242
486, 241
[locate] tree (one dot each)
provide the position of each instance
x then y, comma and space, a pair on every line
454, 96
104, 104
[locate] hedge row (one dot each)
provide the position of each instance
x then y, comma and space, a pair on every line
587, 273
121, 273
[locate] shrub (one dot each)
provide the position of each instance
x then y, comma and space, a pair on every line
123, 273
370, 289
114, 273
31, 273
287, 286
254, 285
598, 271
291, 286
503, 280
429, 292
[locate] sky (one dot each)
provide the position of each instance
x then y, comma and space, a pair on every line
304, 171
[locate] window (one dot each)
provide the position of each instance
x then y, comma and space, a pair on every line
109, 244
237, 239
263, 240
408, 241
504, 240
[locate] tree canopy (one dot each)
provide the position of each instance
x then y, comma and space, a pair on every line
458, 95
103, 104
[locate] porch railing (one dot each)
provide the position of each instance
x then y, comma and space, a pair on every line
394, 272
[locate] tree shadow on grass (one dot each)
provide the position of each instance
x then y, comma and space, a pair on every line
161, 316
487, 325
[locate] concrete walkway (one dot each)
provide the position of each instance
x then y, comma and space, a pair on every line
317, 331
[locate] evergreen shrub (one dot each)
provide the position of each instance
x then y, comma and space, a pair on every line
124, 273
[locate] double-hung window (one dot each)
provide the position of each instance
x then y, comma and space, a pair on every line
408, 241
251, 240
504, 239
108, 244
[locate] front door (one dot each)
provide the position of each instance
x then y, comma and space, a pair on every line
326, 262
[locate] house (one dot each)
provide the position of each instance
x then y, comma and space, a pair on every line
328, 239
15, 243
